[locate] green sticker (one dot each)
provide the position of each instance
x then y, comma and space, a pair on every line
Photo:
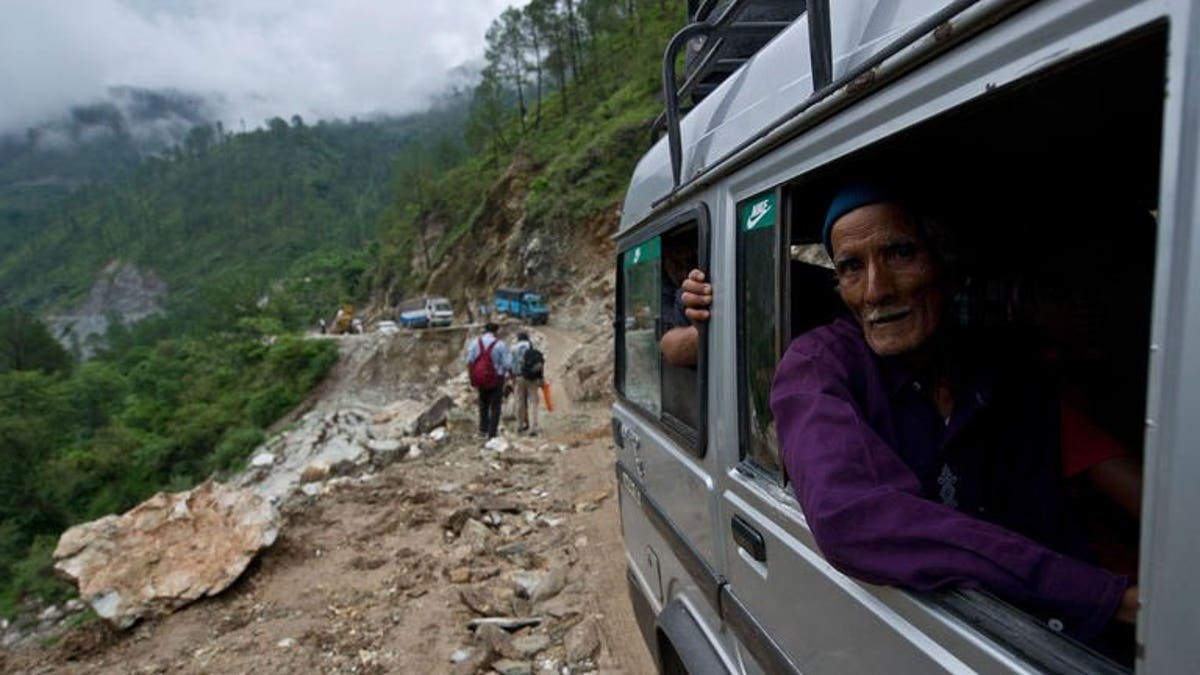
643, 253
758, 211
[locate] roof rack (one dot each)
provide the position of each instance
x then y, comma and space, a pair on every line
717, 58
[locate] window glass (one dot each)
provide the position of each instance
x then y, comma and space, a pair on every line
758, 265
680, 381
641, 269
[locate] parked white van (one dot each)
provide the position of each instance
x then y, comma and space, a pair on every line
1057, 141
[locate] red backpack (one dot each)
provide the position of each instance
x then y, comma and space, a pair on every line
482, 370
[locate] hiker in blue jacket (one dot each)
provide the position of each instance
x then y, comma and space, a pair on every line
491, 394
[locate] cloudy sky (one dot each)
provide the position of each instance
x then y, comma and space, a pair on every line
318, 58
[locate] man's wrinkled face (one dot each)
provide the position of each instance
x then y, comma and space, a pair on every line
888, 277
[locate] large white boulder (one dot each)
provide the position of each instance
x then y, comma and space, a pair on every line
166, 552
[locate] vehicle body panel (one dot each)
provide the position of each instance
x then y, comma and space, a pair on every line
822, 620
1169, 621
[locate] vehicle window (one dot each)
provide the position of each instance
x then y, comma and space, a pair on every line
680, 384
659, 365
641, 303
758, 275
1044, 231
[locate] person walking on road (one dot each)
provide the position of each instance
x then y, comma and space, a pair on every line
488, 363
528, 366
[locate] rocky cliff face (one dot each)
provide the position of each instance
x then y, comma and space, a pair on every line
121, 292
571, 263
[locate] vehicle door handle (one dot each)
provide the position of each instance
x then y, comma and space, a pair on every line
749, 539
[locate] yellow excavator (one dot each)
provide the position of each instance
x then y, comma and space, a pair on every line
343, 321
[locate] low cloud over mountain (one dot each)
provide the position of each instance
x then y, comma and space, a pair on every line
239, 61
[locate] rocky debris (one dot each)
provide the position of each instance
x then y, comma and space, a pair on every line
475, 536
488, 601
477, 660
408, 417
505, 622
384, 446
166, 552
511, 667
591, 502
523, 602
315, 472
262, 459
499, 504
34, 623
587, 375
524, 582
498, 639
457, 519
549, 585
385, 452
582, 641
349, 441
498, 444
529, 646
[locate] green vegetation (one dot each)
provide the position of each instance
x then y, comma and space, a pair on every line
25, 344
257, 234
149, 415
569, 107
220, 214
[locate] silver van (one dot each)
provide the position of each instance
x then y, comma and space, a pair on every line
1060, 140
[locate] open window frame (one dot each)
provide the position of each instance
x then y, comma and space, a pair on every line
804, 198
761, 222
691, 438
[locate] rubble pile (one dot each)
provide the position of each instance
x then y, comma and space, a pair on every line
477, 547
510, 552
345, 442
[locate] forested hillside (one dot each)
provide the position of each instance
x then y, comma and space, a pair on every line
257, 234
541, 190
218, 212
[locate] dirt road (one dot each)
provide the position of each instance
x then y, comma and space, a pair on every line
385, 573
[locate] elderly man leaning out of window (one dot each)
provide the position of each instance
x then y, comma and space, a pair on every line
924, 456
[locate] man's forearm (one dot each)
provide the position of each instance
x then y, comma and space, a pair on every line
680, 346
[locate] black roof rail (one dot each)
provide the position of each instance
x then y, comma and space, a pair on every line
730, 25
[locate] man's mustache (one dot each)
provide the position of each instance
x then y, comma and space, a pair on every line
888, 313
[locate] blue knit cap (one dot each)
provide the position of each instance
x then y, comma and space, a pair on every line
851, 197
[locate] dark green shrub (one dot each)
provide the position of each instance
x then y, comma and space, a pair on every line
235, 446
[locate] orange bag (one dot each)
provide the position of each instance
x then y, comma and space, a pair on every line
546, 396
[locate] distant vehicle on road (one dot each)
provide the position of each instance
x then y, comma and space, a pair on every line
425, 312
343, 320
522, 304
387, 327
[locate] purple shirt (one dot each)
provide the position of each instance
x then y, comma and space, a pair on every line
895, 494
